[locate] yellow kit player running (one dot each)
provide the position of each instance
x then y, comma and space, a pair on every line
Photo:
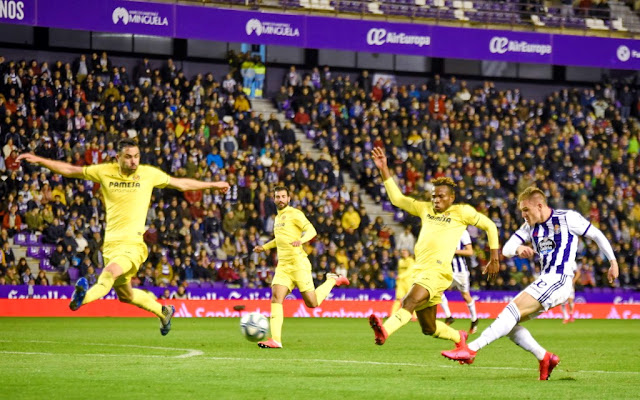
291, 230
126, 186
442, 225
403, 280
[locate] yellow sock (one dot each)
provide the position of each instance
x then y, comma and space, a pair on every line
277, 318
100, 289
396, 306
444, 331
323, 290
397, 321
143, 300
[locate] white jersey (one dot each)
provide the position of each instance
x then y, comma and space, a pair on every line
459, 263
555, 240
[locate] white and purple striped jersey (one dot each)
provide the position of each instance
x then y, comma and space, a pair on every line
459, 263
555, 240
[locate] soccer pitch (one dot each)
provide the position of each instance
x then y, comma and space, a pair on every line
207, 358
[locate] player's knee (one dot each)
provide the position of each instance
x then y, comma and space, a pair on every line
125, 298
428, 330
311, 303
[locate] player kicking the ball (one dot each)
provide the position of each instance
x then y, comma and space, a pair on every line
291, 230
554, 235
442, 225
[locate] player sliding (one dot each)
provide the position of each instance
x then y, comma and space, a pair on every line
442, 225
291, 230
461, 282
554, 234
126, 186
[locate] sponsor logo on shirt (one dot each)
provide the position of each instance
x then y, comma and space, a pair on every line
546, 246
439, 218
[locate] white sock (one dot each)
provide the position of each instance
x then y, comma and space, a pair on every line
472, 310
564, 311
522, 337
445, 306
505, 322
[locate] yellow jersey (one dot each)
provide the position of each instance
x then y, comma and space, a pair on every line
126, 198
440, 232
289, 225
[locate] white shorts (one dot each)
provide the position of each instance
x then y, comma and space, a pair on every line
550, 289
461, 282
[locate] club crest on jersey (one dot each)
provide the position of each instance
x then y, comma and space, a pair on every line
546, 246
556, 229
136, 177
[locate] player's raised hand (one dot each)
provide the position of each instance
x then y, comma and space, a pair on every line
379, 157
29, 157
296, 243
258, 249
525, 252
613, 271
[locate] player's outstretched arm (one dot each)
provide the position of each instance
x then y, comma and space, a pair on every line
493, 267
580, 226
393, 191
58, 167
184, 184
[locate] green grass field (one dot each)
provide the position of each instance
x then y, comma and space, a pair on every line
100, 358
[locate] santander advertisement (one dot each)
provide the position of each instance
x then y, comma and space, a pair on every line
292, 308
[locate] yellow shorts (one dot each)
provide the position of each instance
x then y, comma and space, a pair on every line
294, 274
435, 281
129, 256
402, 287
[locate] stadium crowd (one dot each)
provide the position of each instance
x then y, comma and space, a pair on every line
581, 147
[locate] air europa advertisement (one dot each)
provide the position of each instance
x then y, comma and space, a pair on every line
308, 31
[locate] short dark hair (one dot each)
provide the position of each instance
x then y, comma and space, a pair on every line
445, 181
126, 142
281, 189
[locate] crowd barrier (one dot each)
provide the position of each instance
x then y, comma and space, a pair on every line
292, 308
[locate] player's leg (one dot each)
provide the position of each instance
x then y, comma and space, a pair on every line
565, 313
471, 304
444, 303
278, 294
314, 297
572, 308
144, 300
104, 284
438, 329
417, 296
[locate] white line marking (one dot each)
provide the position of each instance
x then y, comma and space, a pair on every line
192, 353
189, 352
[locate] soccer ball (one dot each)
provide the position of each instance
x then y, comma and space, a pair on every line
254, 326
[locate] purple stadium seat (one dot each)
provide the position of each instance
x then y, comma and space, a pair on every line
32, 239
46, 251
398, 216
206, 285
33, 251
74, 274
20, 239
193, 284
45, 265
218, 285
387, 206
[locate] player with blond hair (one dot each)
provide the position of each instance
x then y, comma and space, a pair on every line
554, 236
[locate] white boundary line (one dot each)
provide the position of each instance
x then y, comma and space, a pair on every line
189, 352
194, 353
